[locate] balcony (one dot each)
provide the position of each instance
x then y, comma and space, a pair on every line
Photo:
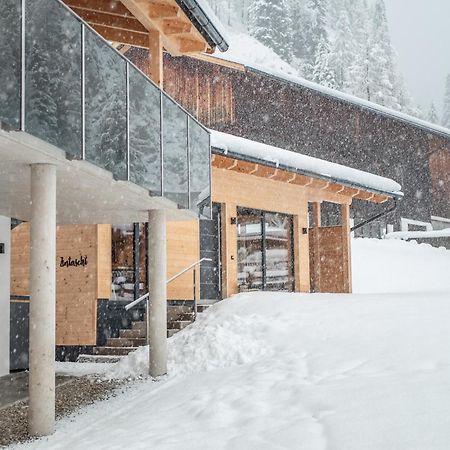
62, 83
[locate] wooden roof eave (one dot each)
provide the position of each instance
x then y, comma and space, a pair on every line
130, 21
285, 176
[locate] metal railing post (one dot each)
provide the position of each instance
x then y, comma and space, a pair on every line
127, 77
195, 292
83, 92
23, 69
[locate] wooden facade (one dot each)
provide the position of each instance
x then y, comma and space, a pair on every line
233, 188
83, 275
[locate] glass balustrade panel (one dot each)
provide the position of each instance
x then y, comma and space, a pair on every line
145, 133
175, 154
199, 168
106, 106
53, 75
10, 55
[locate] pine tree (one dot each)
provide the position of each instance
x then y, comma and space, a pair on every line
342, 51
315, 33
356, 82
446, 109
322, 72
381, 74
432, 114
270, 22
302, 19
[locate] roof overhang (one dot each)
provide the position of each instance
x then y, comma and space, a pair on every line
263, 169
86, 194
254, 153
184, 26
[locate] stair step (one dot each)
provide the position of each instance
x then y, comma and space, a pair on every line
202, 308
141, 326
179, 308
98, 359
113, 351
121, 342
178, 325
170, 333
132, 334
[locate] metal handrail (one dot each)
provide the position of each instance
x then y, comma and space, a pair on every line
187, 269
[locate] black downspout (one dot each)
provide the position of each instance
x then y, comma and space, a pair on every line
136, 260
377, 216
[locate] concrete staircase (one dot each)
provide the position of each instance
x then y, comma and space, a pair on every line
178, 318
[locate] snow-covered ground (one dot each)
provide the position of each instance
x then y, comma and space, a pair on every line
388, 266
292, 371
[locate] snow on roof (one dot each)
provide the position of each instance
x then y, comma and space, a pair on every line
256, 57
241, 148
419, 234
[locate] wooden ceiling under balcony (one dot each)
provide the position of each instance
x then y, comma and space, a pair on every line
129, 22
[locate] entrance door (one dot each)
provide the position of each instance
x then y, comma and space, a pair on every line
265, 251
210, 272
250, 249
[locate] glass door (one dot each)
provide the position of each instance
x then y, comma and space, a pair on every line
265, 251
278, 245
250, 250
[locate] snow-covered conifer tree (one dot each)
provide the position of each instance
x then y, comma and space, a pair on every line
270, 22
342, 54
432, 114
322, 72
381, 76
446, 109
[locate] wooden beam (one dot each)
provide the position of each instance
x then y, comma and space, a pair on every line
158, 10
121, 36
111, 20
243, 167
378, 198
317, 215
191, 46
176, 26
218, 61
346, 249
155, 48
113, 7
147, 11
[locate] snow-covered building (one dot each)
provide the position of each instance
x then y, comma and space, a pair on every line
94, 158
263, 102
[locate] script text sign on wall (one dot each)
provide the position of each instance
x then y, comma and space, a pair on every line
82, 261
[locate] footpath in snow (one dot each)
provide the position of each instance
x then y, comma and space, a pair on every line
291, 371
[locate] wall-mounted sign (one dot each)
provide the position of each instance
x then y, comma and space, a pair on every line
82, 261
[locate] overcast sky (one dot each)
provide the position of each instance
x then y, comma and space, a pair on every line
420, 31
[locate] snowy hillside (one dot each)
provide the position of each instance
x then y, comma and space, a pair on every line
245, 49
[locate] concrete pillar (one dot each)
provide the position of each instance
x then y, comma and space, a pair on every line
157, 304
5, 267
41, 413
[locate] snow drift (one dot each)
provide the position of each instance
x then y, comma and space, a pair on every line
288, 371
381, 266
